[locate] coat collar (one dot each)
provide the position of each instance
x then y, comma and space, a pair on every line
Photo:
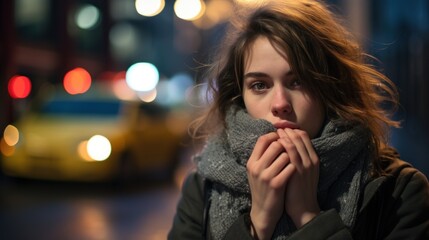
392, 169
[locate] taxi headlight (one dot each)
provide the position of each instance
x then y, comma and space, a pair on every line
98, 148
11, 135
9, 140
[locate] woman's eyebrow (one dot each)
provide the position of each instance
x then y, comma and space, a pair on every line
255, 75
262, 74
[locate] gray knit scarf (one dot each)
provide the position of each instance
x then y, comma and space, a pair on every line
344, 162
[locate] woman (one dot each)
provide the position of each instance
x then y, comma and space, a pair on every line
297, 139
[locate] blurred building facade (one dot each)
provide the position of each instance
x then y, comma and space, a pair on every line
399, 38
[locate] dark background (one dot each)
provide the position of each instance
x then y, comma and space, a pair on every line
44, 47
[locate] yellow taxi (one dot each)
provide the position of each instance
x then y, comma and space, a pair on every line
94, 136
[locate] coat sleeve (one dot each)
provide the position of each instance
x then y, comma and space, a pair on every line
327, 225
411, 208
188, 220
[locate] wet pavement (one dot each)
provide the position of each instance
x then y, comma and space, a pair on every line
55, 210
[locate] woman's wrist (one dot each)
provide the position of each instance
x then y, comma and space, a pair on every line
260, 230
304, 218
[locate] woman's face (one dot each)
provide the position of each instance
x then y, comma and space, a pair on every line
272, 92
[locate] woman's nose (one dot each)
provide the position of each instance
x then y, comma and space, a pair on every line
281, 103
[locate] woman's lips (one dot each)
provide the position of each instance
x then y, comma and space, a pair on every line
285, 124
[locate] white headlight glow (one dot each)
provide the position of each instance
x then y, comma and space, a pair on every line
99, 148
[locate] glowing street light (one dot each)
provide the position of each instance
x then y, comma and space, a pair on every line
189, 9
142, 77
149, 8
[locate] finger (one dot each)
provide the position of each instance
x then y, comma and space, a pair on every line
285, 175
291, 150
310, 149
261, 157
281, 133
271, 154
278, 164
262, 144
296, 136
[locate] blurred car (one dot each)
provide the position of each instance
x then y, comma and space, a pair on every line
95, 136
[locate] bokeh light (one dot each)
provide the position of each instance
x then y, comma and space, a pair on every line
148, 96
216, 12
149, 8
99, 148
87, 16
82, 151
19, 86
77, 81
31, 12
173, 91
142, 77
124, 40
121, 89
11, 135
189, 9
5, 149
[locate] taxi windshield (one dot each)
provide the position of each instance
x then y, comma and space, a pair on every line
81, 107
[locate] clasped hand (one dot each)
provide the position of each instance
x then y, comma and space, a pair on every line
283, 172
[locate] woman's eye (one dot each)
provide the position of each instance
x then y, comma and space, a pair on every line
258, 86
296, 83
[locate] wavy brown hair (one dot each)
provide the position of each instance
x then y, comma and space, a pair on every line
322, 54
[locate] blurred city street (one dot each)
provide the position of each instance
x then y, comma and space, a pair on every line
99, 89
63, 210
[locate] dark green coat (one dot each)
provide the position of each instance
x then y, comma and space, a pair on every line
395, 206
